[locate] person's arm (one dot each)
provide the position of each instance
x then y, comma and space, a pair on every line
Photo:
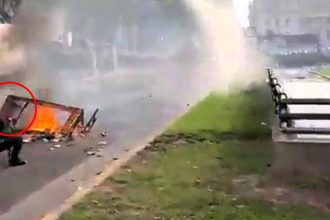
2, 125
10, 127
6, 126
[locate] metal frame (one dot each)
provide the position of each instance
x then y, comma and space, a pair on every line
76, 114
285, 118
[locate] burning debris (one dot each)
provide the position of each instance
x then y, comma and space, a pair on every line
53, 123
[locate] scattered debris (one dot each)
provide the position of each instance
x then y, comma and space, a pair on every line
46, 127
57, 146
115, 158
239, 181
104, 134
27, 140
51, 149
180, 142
102, 143
263, 123
279, 191
56, 140
198, 181
90, 153
240, 206
45, 140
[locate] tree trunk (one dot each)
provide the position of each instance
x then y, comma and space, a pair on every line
93, 57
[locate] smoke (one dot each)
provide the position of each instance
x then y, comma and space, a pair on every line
31, 29
233, 62
194, 53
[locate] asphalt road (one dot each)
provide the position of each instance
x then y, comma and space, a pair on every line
133, 105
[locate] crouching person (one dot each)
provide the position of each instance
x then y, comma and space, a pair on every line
13, 145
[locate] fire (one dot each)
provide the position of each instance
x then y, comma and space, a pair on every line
45, 120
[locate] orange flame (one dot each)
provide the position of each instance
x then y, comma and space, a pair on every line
45, 120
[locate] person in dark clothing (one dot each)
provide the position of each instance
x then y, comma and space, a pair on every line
11, 144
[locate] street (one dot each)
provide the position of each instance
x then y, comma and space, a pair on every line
130, 110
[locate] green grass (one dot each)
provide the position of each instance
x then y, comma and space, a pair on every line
239, 113
183, 176
187, 183
325, 71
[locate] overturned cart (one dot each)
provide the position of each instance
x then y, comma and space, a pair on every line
285, 129
52, 121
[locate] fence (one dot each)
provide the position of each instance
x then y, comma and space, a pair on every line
287, 118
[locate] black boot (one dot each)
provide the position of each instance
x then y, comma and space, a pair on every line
17, 162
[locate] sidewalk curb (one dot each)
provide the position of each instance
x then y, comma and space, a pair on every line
319, 74
97, 180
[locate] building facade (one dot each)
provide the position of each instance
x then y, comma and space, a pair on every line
300, 21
